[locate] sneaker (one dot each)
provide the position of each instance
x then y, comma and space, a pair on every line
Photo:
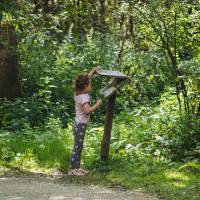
83, 170
75, 172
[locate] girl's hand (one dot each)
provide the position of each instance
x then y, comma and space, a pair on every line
99, 102
88, 109
97, 68
94, 70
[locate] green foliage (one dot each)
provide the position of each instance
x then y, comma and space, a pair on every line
130, 165
54, 45
39, 148
157, 129
31, 112
146, 70
155, 43
190, 166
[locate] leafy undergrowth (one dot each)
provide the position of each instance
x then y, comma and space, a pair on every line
151, 150
43, 149
47, 150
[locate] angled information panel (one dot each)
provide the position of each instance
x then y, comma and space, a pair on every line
117, 80
110, 73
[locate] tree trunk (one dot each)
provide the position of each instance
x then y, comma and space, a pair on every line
37, 5
9, 78
46, 6
94, 15
103, 23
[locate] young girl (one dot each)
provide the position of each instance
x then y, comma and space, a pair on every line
83, 110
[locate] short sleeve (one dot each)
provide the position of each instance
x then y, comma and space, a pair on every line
84, 98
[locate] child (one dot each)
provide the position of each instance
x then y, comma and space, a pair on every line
83, 110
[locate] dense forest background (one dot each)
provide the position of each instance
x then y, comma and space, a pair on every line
44, 44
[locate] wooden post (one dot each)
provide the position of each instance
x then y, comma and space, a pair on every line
105, 145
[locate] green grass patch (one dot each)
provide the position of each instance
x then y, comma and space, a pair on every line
168, 182
47, 149
151, 149
39, 149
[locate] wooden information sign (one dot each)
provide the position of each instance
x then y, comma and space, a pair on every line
109, 91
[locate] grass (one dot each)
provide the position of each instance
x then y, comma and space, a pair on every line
150, 176
139, 150
45, 150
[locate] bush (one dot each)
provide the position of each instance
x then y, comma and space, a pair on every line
45, 148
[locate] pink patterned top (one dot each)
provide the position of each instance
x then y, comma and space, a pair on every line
80, 100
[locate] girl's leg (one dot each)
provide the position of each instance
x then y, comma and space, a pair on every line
79, 133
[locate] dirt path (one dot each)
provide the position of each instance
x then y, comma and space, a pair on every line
15, 185
26, 188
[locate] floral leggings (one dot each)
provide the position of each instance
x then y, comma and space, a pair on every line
79, 134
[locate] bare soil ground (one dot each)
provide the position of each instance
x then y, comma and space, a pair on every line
39, 187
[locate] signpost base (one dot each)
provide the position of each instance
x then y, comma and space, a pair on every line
105, 145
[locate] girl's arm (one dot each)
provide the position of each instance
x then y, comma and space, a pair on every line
91, 73
88, 109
